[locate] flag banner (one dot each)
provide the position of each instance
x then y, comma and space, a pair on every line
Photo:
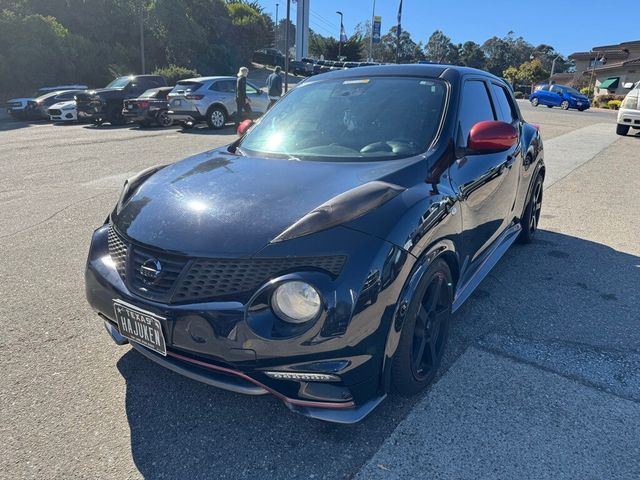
377, 22
343, 35
399, 29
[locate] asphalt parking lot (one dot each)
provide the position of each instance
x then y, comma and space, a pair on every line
541, 379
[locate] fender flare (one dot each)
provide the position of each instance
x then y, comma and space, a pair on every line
439, 249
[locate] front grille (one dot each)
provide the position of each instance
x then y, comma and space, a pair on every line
209, 278
171, 267
118, 252
184, 279
55, 111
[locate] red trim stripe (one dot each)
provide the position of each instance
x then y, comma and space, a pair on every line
291, 401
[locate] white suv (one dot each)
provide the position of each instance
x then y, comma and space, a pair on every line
629, 113
211, 100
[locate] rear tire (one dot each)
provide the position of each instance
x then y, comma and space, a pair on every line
549, 106
216, 118
163, 119
425, 331
531, 217
622, 129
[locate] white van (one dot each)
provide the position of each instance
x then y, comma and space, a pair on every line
629, 113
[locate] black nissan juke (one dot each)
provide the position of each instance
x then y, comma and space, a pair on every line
319, 258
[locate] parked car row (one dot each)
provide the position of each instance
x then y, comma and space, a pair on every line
142, 99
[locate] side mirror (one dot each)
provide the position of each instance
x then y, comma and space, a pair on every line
491, 136
244, 126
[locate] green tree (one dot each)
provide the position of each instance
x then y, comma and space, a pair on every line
440, 49
471, 55
511, 74
531, 72
409, 51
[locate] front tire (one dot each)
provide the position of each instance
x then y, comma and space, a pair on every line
531, 217
622, 129
425, 331
216, 118
564, 105
535, 102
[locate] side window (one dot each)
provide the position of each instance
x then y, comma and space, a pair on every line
555, 89
224, 86
475, 107
504, 106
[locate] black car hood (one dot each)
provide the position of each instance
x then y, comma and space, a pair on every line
223, 205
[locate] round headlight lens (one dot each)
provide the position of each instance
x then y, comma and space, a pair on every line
296, 302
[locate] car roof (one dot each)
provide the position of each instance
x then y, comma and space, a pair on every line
413, 69
206, 79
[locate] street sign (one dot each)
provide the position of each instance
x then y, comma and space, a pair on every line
376, 29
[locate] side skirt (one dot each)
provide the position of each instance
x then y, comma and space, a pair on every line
502, 244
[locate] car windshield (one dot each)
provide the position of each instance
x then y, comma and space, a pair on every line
355, 119
119, 82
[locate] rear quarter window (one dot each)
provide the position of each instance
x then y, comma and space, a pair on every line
186, 87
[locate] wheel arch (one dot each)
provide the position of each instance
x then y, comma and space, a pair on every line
220, 105
442, 249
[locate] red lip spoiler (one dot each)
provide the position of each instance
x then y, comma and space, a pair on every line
291, 401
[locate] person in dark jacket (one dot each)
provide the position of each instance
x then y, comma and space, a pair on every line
242, 101
274, 87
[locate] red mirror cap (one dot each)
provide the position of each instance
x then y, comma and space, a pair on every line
492, 136
244, 126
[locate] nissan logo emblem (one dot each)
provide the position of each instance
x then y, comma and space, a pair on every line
151, 271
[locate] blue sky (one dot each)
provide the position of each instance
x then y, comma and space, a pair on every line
569, 28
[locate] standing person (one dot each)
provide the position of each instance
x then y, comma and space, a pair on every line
242, 101
274, 87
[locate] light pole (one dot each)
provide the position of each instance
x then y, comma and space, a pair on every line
340, 36
373, 16
286, 47
553, 67
277, 29
592, 82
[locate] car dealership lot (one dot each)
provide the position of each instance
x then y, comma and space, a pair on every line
540, 378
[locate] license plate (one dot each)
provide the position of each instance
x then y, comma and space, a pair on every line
579, 104
140, 326
130, 106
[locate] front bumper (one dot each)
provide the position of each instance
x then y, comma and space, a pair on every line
188, 116
629, 117
215, 342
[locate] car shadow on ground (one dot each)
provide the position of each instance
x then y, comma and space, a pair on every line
558, 288
7, 124
203, 129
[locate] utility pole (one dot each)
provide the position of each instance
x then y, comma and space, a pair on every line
286, 48
373, 16
142, 38
340, 36
277, 29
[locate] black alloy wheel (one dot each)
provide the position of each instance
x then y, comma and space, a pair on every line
163, 118
425, 333
531, 217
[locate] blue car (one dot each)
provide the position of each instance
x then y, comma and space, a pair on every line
559, 96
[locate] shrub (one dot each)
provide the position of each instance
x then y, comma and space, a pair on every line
614, 104
173, 73
518, 95
585, 91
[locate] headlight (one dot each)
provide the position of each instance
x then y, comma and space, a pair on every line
296, 302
